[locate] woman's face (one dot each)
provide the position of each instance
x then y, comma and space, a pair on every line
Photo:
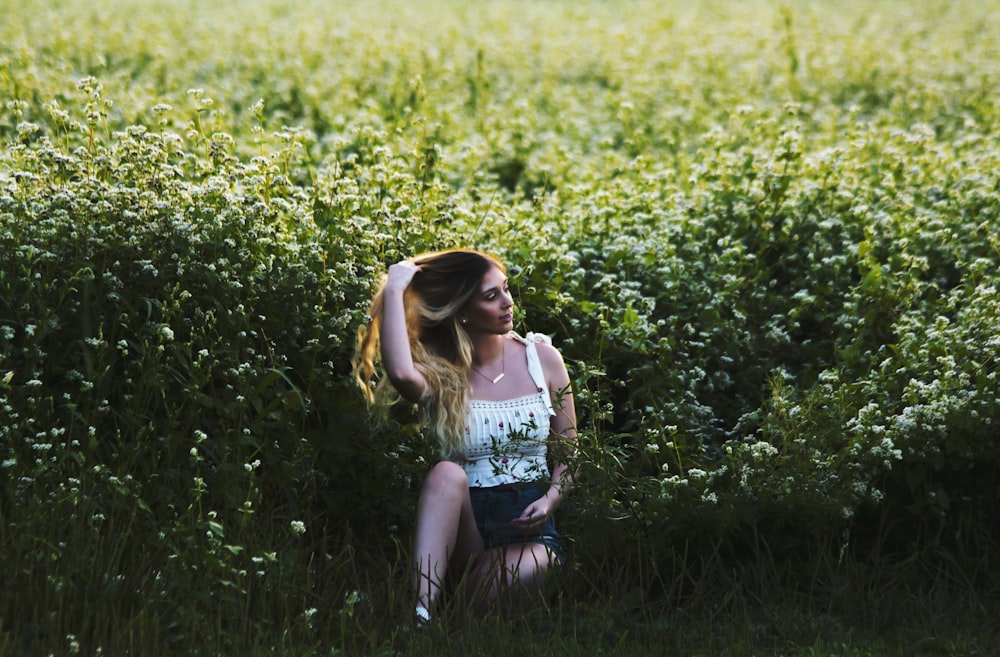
491, 309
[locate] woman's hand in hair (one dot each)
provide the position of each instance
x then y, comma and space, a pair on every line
401, 275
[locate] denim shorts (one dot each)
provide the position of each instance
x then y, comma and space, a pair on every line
495, 507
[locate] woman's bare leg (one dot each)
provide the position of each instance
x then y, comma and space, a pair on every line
512, 572
446, 530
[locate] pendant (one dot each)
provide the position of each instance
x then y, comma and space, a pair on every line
497, 378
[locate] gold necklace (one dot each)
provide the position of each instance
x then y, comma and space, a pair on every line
503, 366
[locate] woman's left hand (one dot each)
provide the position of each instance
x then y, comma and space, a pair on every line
534, 516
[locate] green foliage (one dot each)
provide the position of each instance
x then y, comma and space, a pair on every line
764, 237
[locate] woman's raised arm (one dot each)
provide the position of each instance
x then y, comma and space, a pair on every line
396, 355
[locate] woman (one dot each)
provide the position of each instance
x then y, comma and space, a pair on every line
500, 408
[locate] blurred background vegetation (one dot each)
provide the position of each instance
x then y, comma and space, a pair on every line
764, 235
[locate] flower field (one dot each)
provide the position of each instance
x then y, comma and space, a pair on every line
765, 236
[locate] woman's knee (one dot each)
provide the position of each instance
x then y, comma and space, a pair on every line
447, 475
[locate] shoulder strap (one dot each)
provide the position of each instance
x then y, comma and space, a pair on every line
535, 365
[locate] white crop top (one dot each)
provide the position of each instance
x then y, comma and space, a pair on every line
506, 441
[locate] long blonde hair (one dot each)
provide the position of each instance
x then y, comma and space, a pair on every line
441, 348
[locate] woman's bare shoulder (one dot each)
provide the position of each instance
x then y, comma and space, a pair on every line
552, 363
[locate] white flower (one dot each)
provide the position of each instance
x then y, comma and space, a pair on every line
166, 333
761, 449
298, 527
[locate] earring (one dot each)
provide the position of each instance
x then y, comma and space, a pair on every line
465, 321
